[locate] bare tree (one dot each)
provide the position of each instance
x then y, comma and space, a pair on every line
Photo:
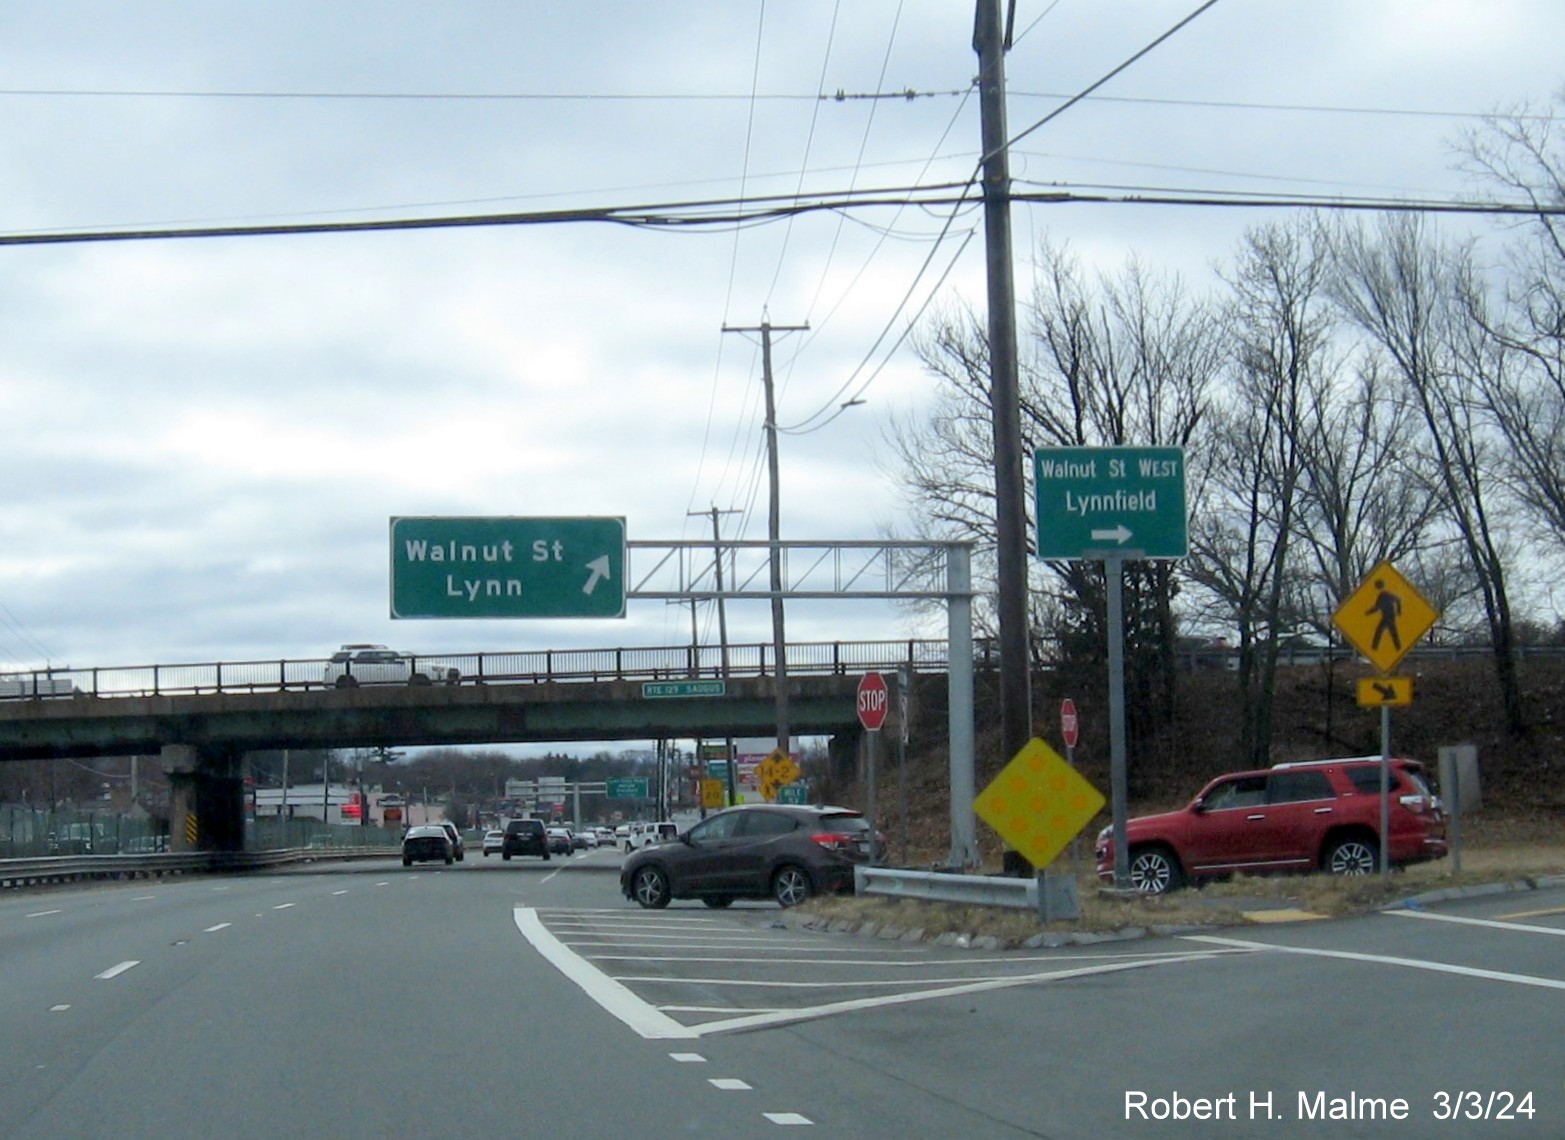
1526, 393
1280, 377
1402, 287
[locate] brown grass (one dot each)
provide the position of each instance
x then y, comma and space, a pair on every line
1495, 850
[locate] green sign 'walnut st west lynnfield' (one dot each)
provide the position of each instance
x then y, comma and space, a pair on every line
1110, 502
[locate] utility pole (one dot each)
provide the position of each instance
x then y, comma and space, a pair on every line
774, 525
717, 562
991, 38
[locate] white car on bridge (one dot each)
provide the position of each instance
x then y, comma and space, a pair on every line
354, 665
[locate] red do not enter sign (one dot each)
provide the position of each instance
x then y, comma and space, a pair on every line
874, 701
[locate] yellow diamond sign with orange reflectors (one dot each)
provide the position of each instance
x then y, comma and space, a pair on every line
1038, 803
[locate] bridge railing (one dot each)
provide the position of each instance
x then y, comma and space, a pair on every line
650, 663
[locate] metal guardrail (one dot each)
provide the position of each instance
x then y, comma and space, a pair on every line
651, 663
940, 886
76, 868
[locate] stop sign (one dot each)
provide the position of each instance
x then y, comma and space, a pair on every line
1070, 727
874, 701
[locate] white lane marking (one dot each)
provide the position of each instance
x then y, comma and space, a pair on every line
1388, 960
688, 1058
284, 906
550, 875
1489, 923
385, 883
609, 994
729, 1084
339, 892
58, 1008
116, 971
215, 929
144, 898
787, 1118
44, 913
810, 1013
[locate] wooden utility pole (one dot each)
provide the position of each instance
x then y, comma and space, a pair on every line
990, 40
774, 524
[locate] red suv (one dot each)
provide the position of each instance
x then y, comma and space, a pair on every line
1320, 815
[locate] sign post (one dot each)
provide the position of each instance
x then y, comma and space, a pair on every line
1111, 504
1383, 619
874, 701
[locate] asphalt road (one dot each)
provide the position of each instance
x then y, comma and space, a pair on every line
526, 998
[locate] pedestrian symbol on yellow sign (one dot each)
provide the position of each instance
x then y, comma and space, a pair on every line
1385, 617
1389, 607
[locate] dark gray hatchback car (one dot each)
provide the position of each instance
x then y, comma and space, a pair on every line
776, 851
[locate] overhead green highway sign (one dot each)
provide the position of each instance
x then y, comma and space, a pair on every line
626, 787
1110, 502
507, 567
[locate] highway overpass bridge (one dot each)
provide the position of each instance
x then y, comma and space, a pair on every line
202, 719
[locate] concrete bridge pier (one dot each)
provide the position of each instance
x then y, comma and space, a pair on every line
206, 800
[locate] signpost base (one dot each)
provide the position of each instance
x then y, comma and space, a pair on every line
1058, 900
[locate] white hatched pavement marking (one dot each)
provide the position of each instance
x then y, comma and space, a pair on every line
116, 971
1490, 923
215, 929
651, 1022
787, 1118
43, 913
1388, 960
688, 1058
730, 1084
643, 1018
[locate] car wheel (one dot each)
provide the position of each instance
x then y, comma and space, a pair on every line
1352, 856
1155, 871
718, 902
791, 885
418, 679
406, 862
506, 855
449, 860
347, 681
545, 856
649, 887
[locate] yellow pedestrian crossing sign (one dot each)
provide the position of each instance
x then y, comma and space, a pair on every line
1385, 617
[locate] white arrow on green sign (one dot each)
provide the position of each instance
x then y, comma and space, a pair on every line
507, 567
1110, 502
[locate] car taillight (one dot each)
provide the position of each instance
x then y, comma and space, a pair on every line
835, 840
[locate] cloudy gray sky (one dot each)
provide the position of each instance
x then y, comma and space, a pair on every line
201, 441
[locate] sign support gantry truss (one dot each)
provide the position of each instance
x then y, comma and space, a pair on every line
903, 570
